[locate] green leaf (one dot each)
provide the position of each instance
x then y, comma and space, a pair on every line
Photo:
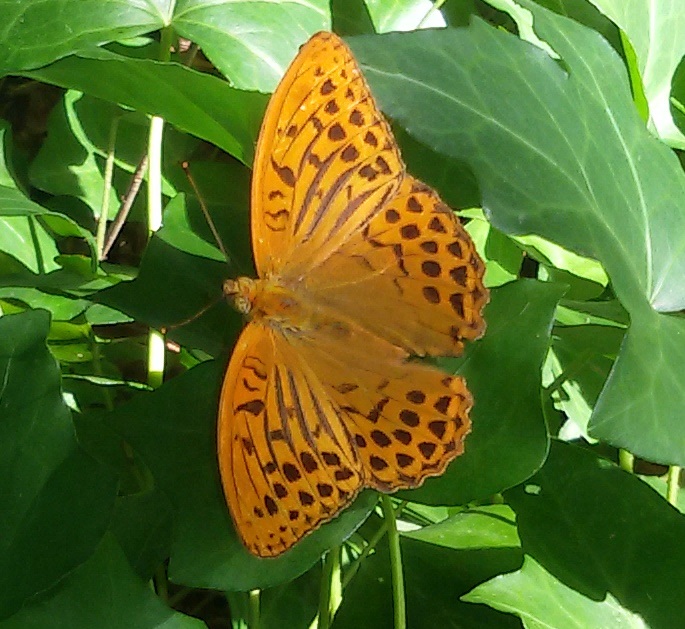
560, 258
509, 439
641, 406
178, 232
404, 15
293, 604
583, 355
657, 33
541, 601
225, 116
172, 288
67, 163
57, 501
33, 37
71, 161
26, 233
142, 526
103, 592
6, 166
238, 37
600, 530
173, 430
61, 308
487, 526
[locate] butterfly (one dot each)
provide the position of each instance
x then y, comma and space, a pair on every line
361, 267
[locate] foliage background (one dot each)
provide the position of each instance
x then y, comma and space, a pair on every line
554, 125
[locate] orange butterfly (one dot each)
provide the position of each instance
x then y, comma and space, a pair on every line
360, 266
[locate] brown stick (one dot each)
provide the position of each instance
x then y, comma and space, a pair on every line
125, 207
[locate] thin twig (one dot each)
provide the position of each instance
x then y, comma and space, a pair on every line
107, 187
125, 207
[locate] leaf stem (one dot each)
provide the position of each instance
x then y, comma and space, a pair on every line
397, 576
436, 7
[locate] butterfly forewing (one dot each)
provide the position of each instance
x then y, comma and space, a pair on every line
285, 456
325, 162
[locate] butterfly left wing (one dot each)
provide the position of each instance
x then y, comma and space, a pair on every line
285, 456
325, 161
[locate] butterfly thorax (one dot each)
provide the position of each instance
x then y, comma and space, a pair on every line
270, 302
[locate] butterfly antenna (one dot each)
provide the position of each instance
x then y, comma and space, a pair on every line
194, 316
208, 217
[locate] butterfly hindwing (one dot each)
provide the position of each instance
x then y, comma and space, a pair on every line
284, 452
414, 259
407, 420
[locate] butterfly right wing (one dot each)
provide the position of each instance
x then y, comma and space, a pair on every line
411, 276
285, 456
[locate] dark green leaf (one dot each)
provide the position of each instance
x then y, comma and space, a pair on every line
599, 529
224, 115
57, 501
435, 578
105, 593
33, 37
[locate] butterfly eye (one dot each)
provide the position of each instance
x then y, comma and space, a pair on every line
230, 288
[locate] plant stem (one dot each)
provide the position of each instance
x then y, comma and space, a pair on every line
40, 264
125, 207
636, 86
331, 589
160, 581
626, 460
156, 343
368, 549
673, 484
253, 609
400, 621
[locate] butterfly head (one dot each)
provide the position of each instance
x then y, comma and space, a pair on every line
241, 293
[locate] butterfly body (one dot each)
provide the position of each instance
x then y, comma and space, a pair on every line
287, 310
360, 268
